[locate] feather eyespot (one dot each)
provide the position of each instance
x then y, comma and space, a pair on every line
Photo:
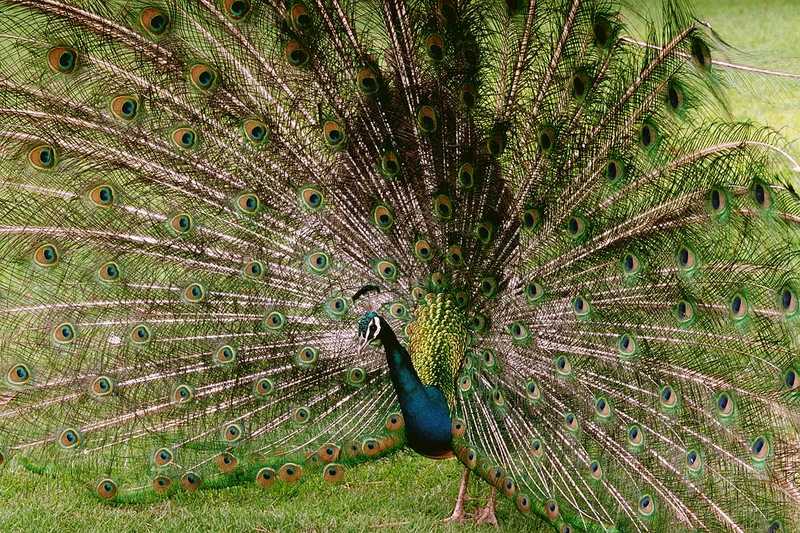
580, 84
423, 250
667, 397
398, 310
125, 107
300, 17
180, 224
263, 388
686, 259
648, 135
248, 203
163, 457
256, 131
184, 138
761, 194
382, 217
367, 81
442, 207
571, 422
154, 20
427, 119
537, 449
70, 439
43, 157
46, 255
275, 321
18, 374
311, 199
182, 394
203, 77
551, 510
533, 391
161, 484
191, 481
479, 323
333, 473
232, 433
306, 357
237, 10
626, 344
318, 262
140, 334
791, 379
717, 202
225, 355
226, 462
685, 312
301, 415
356, 376
580, 306
724, 405
562, 365
775, 526
102, 196
466, 176
102, 386
531, 218
635, 436
595, 470
760, 449
334, 133
336, 307
546, 139
788, 302
674, 97
496, 143
64, 333
434, 46
390, 164
194, 293
694, 461
533, 292
576, 227
290, 473
266, 477
602, 408
615, 171
253, 269
106, 489
484, 231
647, 505
631, 265
295, 54
386, 269
488, 288
602, 31
62, 59
454, 256
739, 307
701, 54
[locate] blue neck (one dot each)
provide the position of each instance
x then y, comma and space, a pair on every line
425, 409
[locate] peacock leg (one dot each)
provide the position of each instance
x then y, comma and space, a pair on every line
486, 515
459, 515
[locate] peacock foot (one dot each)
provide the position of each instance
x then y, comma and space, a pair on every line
486, 515
459, 516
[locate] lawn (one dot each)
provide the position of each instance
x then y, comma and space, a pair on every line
406, 492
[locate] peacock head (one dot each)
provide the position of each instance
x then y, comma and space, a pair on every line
369, 328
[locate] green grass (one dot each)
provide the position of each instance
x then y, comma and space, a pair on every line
405, 492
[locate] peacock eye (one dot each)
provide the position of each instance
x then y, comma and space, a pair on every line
674, 97
125, 107
427, 119
248, 203
761, 195
295, 54
300, 17
648, 135
43, 157
256, 131
466, 176
46, 255
615, 171
203, 77
237, 9
602, 30
546, 139
334, 133
390, 164
442, 207
154, 20
701, 55
184, 138
434, 46
580, 84
62, 59
367, 81
180, 224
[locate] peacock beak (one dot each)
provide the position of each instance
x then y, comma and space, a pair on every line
362, 344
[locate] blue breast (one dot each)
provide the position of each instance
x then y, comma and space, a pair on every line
427, 419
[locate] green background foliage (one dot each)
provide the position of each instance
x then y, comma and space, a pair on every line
404, 492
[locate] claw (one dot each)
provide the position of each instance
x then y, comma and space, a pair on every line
486, 515
459, 516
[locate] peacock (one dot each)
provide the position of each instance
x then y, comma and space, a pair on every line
256, 241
